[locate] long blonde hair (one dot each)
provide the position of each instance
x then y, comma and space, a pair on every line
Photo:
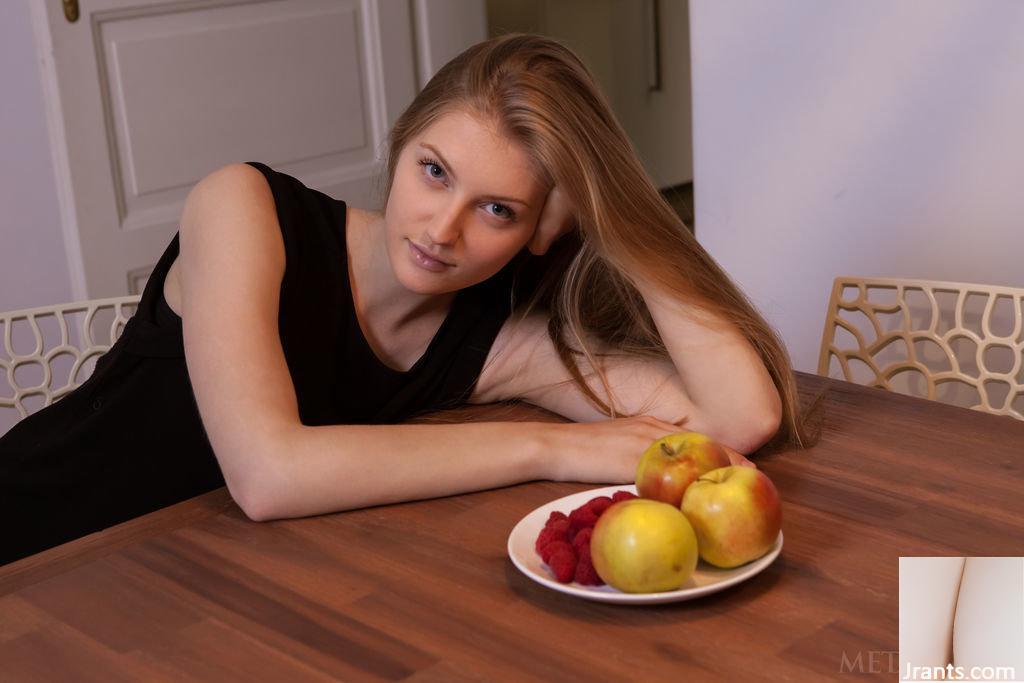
539, 94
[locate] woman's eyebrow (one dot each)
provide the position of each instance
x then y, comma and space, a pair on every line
511, 200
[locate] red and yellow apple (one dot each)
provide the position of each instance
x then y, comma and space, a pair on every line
673, 462
643, 546
736, 513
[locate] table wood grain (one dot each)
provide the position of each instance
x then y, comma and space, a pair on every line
425, 591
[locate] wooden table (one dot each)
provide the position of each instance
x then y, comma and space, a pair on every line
424, 591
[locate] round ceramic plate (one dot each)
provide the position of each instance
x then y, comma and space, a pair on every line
706, 579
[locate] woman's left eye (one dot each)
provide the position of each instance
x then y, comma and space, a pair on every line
509, 214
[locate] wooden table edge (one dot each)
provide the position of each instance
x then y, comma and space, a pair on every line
43, 565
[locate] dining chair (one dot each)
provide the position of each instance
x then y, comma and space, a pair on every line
38, 338
955, 342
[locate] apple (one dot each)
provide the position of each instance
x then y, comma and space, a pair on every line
673, 462
736, 512
643, 546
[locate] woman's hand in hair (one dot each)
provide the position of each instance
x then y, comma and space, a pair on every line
556, 219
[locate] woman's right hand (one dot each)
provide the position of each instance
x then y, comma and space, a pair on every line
602, 452
608, 451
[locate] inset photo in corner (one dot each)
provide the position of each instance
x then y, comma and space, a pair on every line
961, 618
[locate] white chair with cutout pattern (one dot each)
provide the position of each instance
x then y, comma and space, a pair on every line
955, 342
38, 337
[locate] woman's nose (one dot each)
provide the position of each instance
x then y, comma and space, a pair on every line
447, 227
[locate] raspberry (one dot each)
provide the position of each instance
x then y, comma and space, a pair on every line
582, 538
623, 495
599, 504
555, 516
557, 529
562, 561
579, 518
585, 573
561, 525
549, 535
546, 552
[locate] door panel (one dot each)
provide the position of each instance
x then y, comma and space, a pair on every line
155, 94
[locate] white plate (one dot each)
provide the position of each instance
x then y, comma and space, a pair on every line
706, 579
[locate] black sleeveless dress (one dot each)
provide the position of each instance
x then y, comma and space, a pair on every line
129, 440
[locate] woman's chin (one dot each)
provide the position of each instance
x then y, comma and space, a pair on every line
424, 282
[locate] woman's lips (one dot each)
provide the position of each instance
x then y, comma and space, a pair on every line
424, 260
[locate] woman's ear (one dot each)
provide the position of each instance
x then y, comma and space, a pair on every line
556, 218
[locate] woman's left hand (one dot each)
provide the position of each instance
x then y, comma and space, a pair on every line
556, 219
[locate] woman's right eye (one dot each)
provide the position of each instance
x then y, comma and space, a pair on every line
430, 164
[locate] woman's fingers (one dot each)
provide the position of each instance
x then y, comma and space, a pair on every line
556, 218
737, 458
609, 451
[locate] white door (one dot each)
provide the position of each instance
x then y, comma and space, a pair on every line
148, 96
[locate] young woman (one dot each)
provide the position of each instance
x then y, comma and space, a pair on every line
523, 253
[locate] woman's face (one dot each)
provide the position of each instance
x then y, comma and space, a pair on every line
464, 195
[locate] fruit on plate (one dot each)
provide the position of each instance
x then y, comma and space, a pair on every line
564, 542
736, 513
673, 462
643, 546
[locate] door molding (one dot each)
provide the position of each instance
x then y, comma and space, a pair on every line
58, 149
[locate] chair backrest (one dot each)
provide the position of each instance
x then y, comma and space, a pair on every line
81, 340
950, 341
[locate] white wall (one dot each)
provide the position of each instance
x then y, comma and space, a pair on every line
857, 137
33, 267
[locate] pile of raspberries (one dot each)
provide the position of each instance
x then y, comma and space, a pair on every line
564, 542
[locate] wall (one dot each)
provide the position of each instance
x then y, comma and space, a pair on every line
33, 266
857, 137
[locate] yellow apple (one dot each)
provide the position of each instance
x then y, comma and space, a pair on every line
643, 546
736, 512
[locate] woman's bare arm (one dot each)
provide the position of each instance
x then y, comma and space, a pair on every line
322, 469
722, 375
330, 468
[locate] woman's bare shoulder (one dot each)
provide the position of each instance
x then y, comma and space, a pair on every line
505, 359
242, 180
